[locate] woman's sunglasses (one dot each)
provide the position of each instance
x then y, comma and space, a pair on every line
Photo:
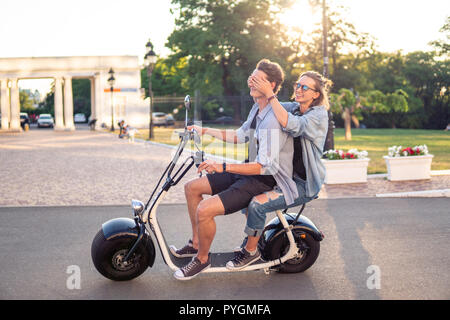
304, 87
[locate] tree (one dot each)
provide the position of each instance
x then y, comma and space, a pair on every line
430, 78
390, 104
26, 101
350, 106
168, 78
347, 48
222, 40
387, 72
81, 89
442, 46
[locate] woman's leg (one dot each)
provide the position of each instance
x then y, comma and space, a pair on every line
256, 215
259, 205
269, 202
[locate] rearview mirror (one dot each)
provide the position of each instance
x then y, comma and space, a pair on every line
187, 102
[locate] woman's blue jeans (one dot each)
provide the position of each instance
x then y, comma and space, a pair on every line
257, 211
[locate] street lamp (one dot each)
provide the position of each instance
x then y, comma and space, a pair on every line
149, 62
111, 82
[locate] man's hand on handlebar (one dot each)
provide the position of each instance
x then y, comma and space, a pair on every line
200, 130
210, 166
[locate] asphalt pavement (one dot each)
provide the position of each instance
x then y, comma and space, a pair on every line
389, 248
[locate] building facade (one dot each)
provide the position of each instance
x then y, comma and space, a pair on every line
125, 103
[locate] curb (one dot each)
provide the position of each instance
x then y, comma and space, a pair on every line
432, 173
442, 193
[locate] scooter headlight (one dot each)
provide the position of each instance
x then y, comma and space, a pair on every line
138, 207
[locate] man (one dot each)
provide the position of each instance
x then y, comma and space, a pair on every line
232, 186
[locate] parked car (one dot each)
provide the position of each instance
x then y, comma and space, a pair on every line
24, 121
45, 120
79, 118
159, 119
224, 120
170, 120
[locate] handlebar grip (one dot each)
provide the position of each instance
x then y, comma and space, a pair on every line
199, 158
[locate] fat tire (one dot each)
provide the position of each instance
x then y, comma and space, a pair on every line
305, 263
103, 250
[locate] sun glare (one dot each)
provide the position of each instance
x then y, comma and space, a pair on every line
300, 18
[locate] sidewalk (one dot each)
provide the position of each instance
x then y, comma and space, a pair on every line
379, 186
48, 168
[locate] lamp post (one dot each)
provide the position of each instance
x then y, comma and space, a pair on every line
149, 62
329, 142
111, 82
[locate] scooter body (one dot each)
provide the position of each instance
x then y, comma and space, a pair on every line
123, 248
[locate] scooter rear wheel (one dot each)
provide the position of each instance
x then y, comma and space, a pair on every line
108, 256
308, 252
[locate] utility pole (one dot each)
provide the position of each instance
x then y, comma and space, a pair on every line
329, 142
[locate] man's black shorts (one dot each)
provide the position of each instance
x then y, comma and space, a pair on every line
236, 191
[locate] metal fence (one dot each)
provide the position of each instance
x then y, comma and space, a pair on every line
208, 109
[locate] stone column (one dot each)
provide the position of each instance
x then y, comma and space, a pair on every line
4, 103
68, 104
15, 106
98, 101
93, 99
59, 118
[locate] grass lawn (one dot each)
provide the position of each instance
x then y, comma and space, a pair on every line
377, 141
374, 141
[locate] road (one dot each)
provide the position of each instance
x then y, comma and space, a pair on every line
406, 242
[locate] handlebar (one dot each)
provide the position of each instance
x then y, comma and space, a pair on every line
197, 158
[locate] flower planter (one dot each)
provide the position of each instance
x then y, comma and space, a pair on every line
409, 168
346, 171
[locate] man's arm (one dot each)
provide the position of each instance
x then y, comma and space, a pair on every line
272, 138
246, 169
227, 135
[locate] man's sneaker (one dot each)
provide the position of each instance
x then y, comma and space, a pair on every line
242, 259
192, 269
186, 252
237, 249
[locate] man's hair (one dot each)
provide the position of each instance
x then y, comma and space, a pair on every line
274, 72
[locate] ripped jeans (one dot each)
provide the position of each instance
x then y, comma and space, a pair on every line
257, 211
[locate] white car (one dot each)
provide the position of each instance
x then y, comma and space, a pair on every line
159, 119
45, 120
79, 118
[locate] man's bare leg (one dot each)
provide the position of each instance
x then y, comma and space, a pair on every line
252, 243
206, 212
194, 191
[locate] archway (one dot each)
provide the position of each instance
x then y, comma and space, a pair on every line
127, 92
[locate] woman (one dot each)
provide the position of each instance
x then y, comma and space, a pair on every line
306, 120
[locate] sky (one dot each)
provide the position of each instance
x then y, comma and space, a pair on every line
37, 28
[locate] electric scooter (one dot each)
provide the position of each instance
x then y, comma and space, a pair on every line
123, 248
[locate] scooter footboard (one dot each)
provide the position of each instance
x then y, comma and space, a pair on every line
218, 259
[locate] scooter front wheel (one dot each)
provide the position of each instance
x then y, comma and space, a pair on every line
108, 256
